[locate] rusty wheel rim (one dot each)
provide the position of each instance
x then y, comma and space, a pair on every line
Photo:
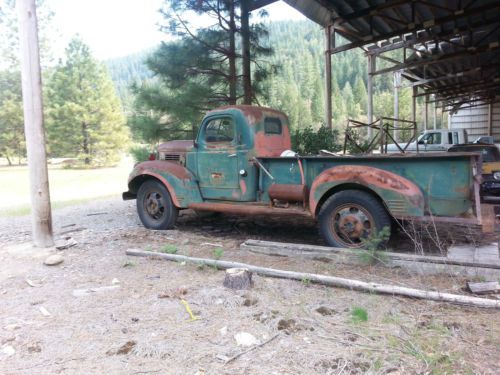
154, 205
351, 224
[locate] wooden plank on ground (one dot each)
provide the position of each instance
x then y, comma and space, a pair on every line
484, 287
278, 248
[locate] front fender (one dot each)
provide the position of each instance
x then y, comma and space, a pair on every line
179, 181
401, 196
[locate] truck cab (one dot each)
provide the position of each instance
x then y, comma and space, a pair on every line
221, 158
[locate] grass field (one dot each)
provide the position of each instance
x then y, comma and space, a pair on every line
67, 186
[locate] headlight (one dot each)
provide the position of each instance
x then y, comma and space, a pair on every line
496, 175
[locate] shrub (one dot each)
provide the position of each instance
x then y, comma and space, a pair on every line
140, 153
308, 141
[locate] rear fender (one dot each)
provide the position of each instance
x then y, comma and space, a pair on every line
401, 196
180, 182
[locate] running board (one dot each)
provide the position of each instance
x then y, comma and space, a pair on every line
244, 209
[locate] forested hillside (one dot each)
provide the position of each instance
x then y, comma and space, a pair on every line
297, 87
124, 71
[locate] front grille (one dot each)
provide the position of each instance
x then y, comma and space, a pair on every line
171, 157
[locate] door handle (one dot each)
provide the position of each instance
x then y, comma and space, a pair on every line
231, 156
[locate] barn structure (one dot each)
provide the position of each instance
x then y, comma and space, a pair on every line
450, 51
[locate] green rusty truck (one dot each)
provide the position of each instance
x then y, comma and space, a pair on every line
241, 163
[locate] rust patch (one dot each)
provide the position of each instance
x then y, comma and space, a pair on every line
217, 175
176, 146
272, 145
164, 166
243, 186
253, 114
287, 192
368, 176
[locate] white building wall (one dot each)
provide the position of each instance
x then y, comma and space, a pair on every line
478, 121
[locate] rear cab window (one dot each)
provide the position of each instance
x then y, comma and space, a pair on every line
272, 125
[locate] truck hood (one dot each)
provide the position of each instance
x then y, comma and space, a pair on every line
175, 147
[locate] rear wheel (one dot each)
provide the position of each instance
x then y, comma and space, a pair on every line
350, 217
155, 207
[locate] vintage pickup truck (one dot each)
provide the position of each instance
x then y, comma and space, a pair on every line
236, 166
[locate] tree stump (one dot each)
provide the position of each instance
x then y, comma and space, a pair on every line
238, 278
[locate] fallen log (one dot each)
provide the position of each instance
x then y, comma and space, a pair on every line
328, 280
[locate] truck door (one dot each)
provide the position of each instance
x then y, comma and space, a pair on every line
217, 160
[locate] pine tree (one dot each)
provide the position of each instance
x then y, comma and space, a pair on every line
360, 95
12, 142
84, 114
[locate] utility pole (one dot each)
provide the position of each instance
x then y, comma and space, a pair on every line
41, 217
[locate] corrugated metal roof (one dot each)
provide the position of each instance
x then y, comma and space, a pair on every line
452, 47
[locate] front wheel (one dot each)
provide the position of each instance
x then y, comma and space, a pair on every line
155, 207
350, 217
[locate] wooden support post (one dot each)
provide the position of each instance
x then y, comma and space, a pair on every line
414, 105
490, 119
245, 43
369, 110
328, 77
426, 112
397, 83
435, 113
33, 124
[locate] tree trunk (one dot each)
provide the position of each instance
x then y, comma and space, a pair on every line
238, 278
245, 44
232, 55
8, 160
86, 150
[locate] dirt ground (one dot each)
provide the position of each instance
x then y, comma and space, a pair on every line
139, 324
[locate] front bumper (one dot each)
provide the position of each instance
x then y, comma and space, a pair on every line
127, 195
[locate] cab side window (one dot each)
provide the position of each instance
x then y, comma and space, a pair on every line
434, 139
220, 130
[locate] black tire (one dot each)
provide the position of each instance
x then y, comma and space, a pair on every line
155, 207
349, 217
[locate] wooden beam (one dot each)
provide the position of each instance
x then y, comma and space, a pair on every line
256, 4
438, 59
411, 27
41, 216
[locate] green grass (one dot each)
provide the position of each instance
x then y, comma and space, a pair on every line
67, 186
218, 253
169, 249
359, 315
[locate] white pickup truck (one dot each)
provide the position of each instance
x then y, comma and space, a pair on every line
434, 141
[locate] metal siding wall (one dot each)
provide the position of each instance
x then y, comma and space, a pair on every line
476, 121
495, 118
